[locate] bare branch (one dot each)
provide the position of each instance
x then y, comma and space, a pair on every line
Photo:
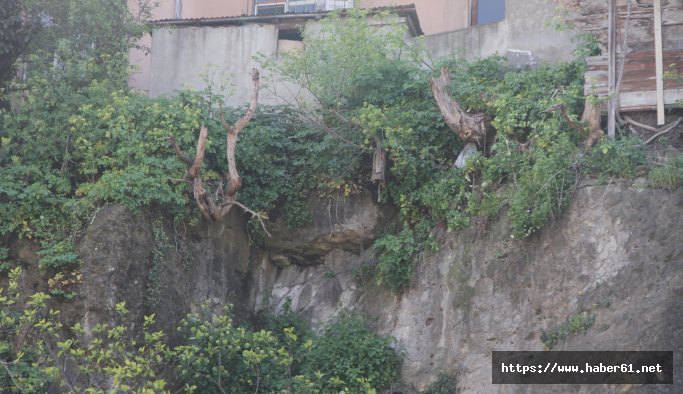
179, 154
261, 217
665, 130
630, 120
252, 105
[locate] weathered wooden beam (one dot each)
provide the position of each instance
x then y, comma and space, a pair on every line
659, 61
611, 69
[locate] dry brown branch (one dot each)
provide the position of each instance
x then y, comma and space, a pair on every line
664, 130
469, 127
630, 120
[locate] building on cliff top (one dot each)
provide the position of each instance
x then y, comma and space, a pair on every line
190, 36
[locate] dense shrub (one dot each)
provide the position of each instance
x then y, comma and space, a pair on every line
615, 158
214, 355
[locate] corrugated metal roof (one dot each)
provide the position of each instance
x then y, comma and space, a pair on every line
407, 11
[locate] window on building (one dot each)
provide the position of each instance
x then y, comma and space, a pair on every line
270, 7
275, 7
300, 6
487, 11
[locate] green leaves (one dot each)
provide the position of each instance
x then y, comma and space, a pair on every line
219, 355
347, 61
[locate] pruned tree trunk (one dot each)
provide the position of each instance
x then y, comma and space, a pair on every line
591, 118
215, 209
473, 128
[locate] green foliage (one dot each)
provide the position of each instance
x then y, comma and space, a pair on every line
219, 355
18, 358
574, 324
16, 31
543, 188
95, 148
161, 245
349, 60
283, 161
35, 351
215, 354
83, 40
619, 158
587, 44
444, 384
396, 254
4, 263
350, 357
388, 101
667, 176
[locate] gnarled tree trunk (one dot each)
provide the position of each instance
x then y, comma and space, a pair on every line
211, 208
473, 128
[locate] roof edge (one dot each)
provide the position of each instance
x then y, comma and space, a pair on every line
408, 11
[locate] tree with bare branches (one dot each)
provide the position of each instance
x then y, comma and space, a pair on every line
212, 208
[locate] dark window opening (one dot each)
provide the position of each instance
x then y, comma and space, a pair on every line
290, 34
487, 11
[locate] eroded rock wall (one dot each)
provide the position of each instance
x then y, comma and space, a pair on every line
117, 260
615, 254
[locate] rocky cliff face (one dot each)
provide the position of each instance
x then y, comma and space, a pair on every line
117, 260
614, 256
614, 260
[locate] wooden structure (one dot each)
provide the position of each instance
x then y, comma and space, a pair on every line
643, 30
638, 85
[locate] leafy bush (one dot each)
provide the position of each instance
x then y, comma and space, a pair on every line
218, 355
667, 176
543, 188
443, 385
35, 352
215, 354
396, 254
348, 357
615, 158
574, 324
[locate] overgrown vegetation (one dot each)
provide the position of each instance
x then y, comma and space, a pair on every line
444, 384
80, 139
575, 324
215, 355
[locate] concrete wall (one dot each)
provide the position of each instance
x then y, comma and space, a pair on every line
181, 55
523, 35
